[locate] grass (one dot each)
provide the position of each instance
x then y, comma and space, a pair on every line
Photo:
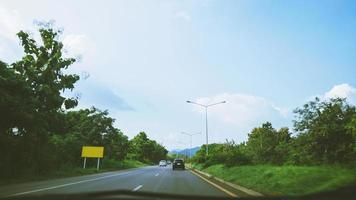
67, 171
106, 165
125, 164
285, 180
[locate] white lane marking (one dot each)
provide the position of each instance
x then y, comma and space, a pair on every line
137, 188
215, 185
67, 184
157, 174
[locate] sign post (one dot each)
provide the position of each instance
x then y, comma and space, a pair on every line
85, 161
98, 164
92, 152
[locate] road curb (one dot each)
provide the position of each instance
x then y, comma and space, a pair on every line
237, 187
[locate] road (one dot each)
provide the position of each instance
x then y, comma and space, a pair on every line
151, 179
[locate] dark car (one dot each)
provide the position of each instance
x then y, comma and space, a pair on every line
178, 164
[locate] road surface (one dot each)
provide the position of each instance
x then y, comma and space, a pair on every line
151, 179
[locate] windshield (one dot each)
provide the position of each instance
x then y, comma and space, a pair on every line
204, 98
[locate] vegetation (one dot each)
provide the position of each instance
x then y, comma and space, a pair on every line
40, 133
320, 155
285, 180
146, 150
325, 134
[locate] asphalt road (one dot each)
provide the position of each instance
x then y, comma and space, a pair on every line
151, 179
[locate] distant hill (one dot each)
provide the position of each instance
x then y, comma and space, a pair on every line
184, 151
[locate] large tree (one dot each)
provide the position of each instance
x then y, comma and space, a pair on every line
30, 98
146, 150
326, 130
88, 127
267, 145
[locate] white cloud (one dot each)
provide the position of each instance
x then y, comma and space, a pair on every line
343, 91
183, 15
242, 109
79, 45
10, 22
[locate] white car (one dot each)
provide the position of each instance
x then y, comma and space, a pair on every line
162, 163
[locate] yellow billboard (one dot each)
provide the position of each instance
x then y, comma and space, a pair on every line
92, 152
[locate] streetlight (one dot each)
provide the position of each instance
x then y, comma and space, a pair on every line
191, 136
206, 120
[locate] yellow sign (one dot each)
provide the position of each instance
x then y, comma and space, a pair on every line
92, 152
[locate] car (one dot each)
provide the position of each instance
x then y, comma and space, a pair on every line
169, 162
178, 163
162, 163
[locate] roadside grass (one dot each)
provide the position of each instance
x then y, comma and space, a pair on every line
125, 164
106, 165
68, 171
284, 180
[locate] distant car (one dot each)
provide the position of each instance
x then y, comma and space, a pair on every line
162, 163
169, 162
178, 164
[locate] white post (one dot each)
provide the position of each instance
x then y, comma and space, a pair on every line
98, 164
206, 130
206, 120
85, 161
190, 150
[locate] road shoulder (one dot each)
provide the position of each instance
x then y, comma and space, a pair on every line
227, 187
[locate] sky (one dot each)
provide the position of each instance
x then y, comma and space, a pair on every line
142, 60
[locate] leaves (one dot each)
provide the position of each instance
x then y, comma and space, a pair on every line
325, 125
38, 133
326, 135
147, 150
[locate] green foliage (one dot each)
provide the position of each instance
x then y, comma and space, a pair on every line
285, 180
31, 99
326, 131
88, 127
267, 145
228, 153
38, 135
326, 134
146, 150
123, 164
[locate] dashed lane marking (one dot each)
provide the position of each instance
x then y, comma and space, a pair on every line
137, 188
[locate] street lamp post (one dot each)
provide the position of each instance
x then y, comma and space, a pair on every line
206, 120
191, 138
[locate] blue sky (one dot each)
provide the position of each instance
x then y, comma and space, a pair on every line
146, 58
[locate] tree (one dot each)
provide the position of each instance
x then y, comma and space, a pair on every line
234, 154
116, 144
326, 130
88, 127
283, 148
146, 150
158, 153
351, 129
140, 147
267, 145
261, 143
30, 100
